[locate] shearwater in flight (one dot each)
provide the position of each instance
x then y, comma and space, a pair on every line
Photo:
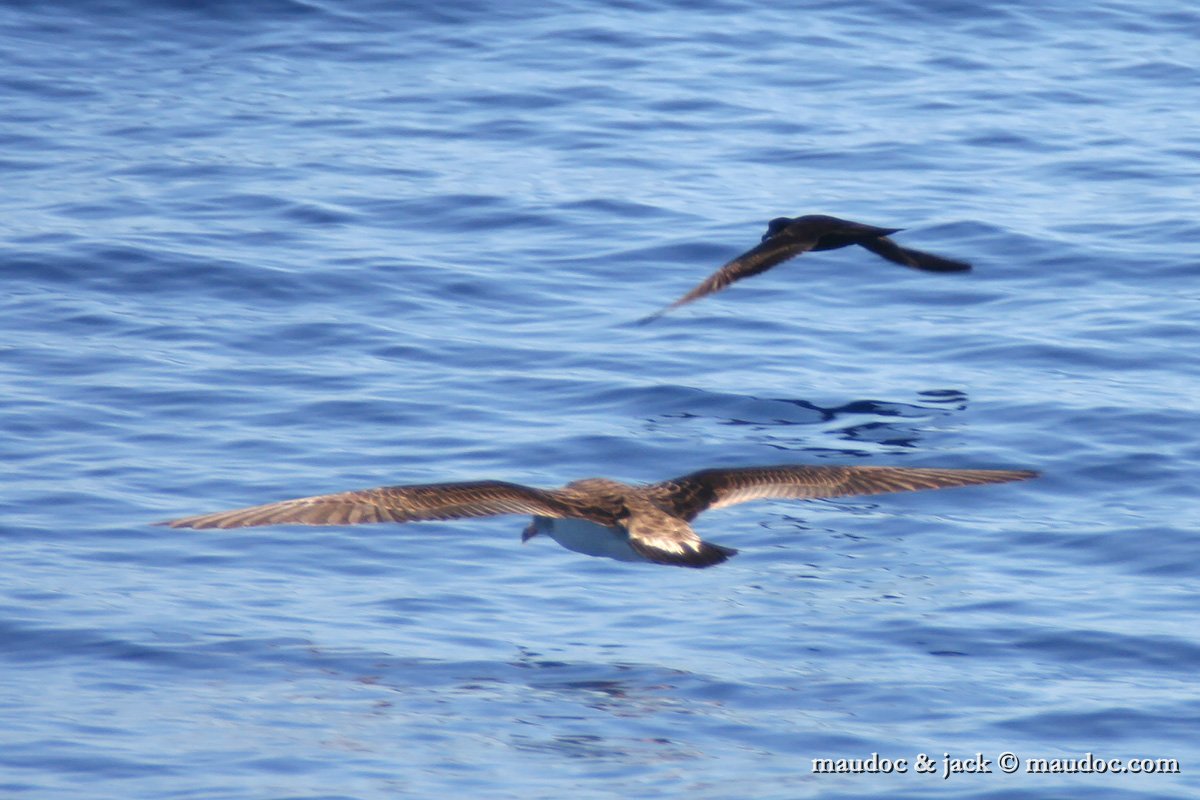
602, 517
788, 237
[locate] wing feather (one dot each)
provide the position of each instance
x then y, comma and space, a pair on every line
435, 501
756, 260
916, 259
687, 496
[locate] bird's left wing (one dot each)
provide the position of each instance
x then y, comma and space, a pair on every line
434, 501
916, 259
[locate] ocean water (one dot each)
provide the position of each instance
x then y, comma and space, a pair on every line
260, 251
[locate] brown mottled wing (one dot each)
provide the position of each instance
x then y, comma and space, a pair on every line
789, 243
666, 539
885, 247
716, 488
394, 504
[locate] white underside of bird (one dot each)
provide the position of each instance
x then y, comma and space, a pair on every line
585, 537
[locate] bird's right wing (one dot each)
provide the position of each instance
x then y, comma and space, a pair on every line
435, 501
687, 496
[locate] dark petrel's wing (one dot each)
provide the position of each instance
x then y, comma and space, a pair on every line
687, 496
788, 243
916, 259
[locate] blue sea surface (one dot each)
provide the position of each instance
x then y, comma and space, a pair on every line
257, 251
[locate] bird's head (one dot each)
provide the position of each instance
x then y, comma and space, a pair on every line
776, 225
538, 525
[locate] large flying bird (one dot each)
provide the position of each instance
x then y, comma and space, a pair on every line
602, 517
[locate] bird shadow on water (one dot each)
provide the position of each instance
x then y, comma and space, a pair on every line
574, 708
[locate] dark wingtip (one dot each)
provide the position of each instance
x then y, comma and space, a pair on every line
914, 259
928, 262
939, 264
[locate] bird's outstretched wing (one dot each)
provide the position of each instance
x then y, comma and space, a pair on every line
434, 501
916, 259
769, 253
688, 495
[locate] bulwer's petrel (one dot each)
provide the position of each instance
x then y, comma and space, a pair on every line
788, 237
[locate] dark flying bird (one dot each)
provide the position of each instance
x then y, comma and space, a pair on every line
601, 517
788, 237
